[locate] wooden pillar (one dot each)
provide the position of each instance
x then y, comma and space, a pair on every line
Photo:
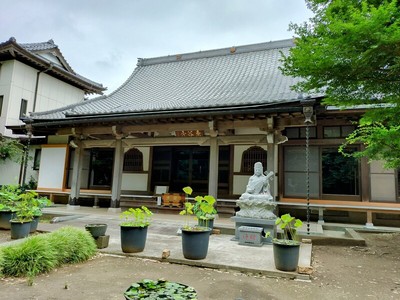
76, 174
213, 170
117, 175
272, 165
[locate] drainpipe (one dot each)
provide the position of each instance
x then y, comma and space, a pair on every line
26, 153
37, 85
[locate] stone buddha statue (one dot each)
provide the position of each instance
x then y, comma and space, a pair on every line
257, 201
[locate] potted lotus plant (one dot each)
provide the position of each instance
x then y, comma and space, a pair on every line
21, 222
38, 204
9, 195
204, 210
287, 248
195, 239
134, 229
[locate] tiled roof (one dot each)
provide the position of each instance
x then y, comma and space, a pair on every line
39, 46
47, 56
49, 48
223, 78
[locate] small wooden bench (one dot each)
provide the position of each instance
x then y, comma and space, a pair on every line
172, 199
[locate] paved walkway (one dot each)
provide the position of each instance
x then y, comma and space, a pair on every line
223, 252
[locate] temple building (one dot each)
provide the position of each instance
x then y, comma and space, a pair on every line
202, 120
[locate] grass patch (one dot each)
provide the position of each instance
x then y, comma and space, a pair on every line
42, 253
30, 258
73, 244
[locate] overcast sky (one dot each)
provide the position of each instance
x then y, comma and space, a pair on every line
102, 39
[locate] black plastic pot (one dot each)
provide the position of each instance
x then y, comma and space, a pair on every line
20, 230
96, 230
34, 224
286, 256
5, 217
133, 239
195, 242
206, 223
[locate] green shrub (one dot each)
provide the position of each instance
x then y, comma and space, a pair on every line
42, 253
73, 245
1, 262
29, 258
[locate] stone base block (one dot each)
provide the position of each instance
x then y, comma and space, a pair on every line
102, 241
267, 225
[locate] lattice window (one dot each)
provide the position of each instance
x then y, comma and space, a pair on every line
133, 161
251, 156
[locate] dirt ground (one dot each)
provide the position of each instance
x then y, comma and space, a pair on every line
340, 272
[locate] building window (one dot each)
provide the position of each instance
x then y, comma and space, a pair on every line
337, 131
250, 157
23, 109
330, 173
133, 161
1, 103
300, 132
36, 160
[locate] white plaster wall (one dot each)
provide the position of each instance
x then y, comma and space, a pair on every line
22, 86
52, 166
383, 183
134, 181
239, 184
241, 131
21, 82
5, 85
54, 93
137, 181
10, 171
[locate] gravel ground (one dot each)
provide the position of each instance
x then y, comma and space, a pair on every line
340, 272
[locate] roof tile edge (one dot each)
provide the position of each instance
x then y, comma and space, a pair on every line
216, 52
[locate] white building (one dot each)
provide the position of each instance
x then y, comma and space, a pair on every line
35, 77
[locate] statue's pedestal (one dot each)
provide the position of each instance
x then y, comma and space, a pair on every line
268, 225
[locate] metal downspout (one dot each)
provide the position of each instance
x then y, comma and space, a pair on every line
37, 85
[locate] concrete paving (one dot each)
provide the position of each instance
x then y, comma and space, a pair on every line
223, 252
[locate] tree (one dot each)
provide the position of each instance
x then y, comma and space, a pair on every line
350, 51
10, 149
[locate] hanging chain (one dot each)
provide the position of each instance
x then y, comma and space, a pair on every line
308, 175
25, 160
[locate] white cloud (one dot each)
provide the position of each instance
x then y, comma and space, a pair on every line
102, 39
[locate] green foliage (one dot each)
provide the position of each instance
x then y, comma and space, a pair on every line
9, 195
10, 149
29, 258
42, 253
203, 208
159, 289
136, 217
73, 245
349, 51
26, 204
289, 226
381, 143
24, 211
